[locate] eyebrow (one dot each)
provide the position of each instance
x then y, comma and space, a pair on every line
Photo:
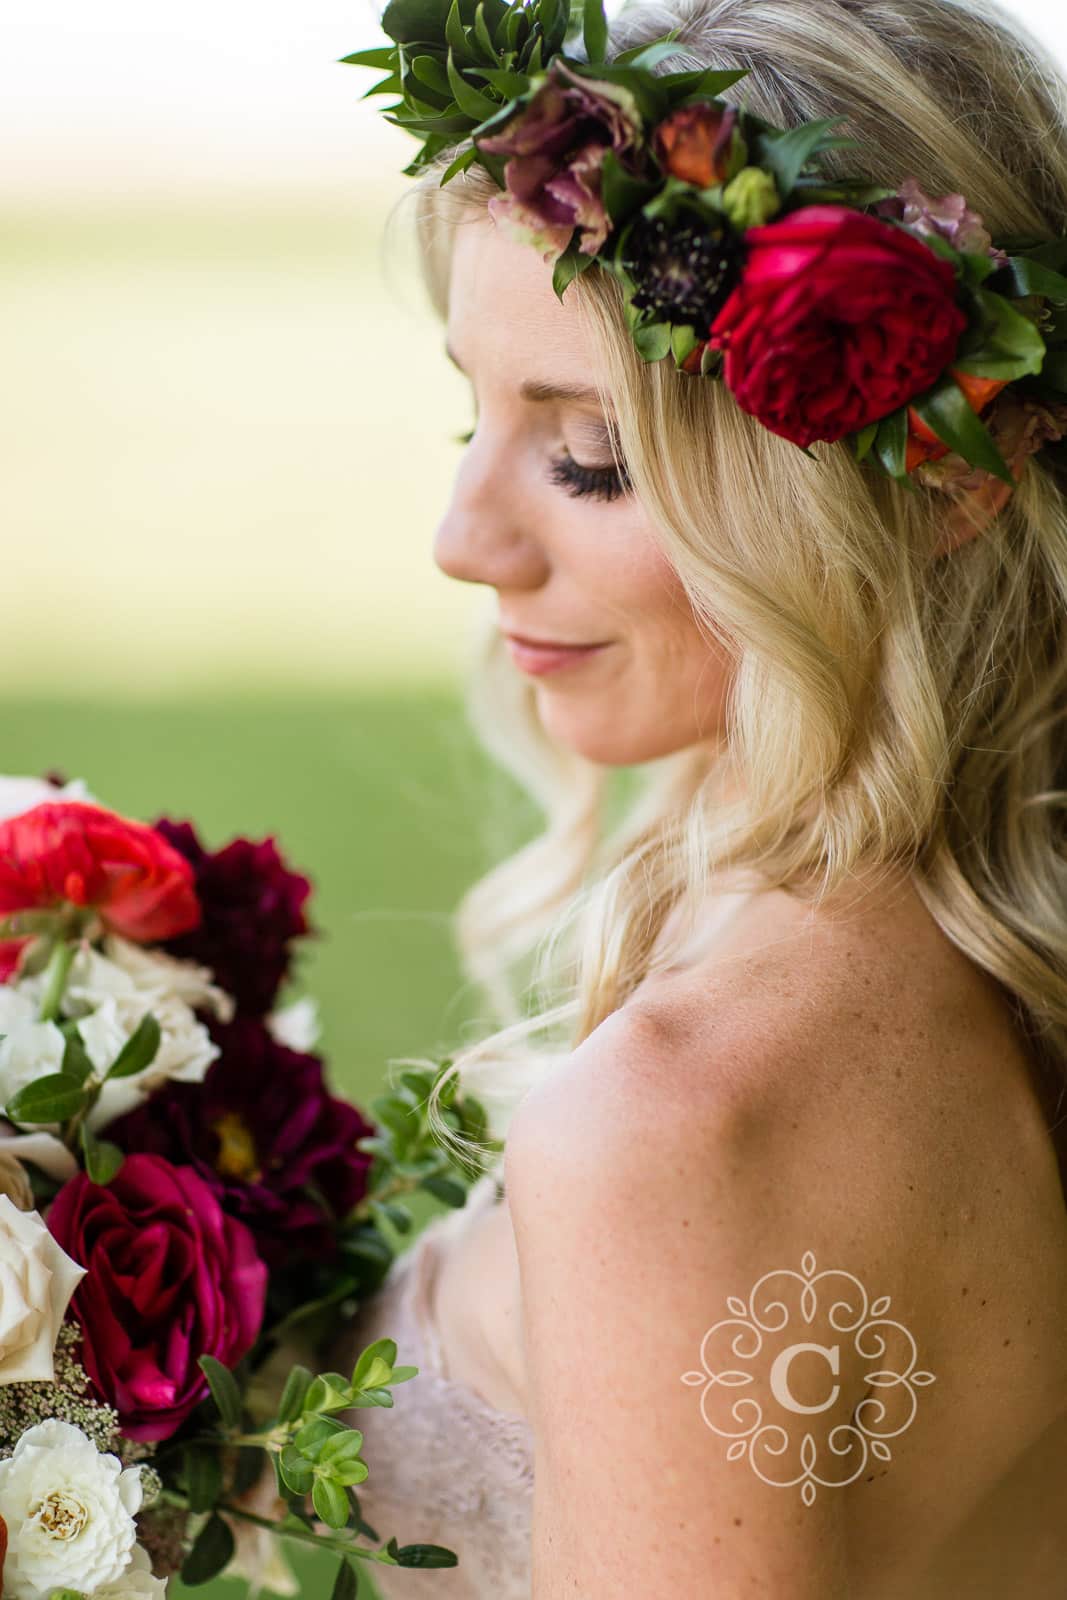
533, 389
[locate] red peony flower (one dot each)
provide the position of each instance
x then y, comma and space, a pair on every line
71, 853
170, 1278
838, 319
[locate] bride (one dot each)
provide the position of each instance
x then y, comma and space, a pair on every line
809, 989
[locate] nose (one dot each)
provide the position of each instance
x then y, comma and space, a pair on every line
487, 535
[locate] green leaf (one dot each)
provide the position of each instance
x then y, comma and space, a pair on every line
469, 99
212, 1551
787, 152
77, 1063
67, 1594
891, 442
297, 1472
103, 1160
1034, 277
423, 1555
224, 1390
311, 1438
381, 56
294, 1393
330, 1502
407, 21
570, 265
140, 1049
864, 439
649, 55
653, 340
505, 81
946, 409
329, 1392
380, 1350
346, 1584
446, 1189
1010, 346
53, 1098
594, 30
340, 1448
482, 34
684, 341
456, 38
429, 71
203, 1477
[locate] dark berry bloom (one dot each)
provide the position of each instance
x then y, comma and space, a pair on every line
683, 272
266, 1135
252, 907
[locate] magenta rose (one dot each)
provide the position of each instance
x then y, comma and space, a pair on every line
170, 1278
556, 145
838, 319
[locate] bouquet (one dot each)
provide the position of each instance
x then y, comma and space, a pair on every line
184, 1208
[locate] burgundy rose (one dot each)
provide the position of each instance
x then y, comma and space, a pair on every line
252, 908
556, 145
170, 1278
265, 1134
838, 319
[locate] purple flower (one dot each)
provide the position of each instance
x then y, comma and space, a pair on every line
556, 145
267, 1137
950, 217
252, 908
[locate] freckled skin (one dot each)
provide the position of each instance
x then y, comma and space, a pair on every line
578, 569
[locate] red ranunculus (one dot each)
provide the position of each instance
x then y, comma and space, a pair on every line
63, 853
170, 1278
838, 319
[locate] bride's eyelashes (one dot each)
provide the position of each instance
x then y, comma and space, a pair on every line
604, 483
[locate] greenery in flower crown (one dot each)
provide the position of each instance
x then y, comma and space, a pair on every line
675, 193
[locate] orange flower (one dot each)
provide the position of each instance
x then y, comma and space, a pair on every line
923, 442
693, 143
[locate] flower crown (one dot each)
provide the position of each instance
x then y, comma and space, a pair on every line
832, 308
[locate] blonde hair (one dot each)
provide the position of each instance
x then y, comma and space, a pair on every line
888, 709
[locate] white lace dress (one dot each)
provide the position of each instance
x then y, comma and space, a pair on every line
446, 1467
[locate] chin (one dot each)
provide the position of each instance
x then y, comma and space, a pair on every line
607, 739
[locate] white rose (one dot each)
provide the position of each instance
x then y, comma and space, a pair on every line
111, 991
296, 1026
18, 794
69, 1511
136, 1583
37, 1279
30, 1049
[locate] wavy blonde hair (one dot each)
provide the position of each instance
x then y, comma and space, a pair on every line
888, 708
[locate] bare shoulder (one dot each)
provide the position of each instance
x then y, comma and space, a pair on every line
852, 1032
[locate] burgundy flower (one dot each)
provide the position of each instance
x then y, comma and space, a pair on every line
252, 907
170, 1278
265, 1134
556, 145
838, 318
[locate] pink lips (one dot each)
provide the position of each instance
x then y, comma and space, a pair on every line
538, 659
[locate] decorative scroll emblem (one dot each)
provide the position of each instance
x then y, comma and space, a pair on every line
860, 1322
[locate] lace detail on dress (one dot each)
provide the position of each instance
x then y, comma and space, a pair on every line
446, 1467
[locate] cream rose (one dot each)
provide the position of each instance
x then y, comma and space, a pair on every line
37, 1279
136, 1583
69, 1511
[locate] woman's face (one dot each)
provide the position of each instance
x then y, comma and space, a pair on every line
537, 512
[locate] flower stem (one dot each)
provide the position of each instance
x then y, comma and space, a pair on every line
307, 1536
56, 974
